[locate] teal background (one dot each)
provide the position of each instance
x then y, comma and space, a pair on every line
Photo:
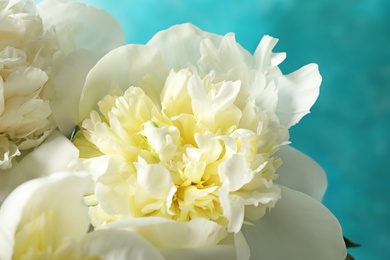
348, 129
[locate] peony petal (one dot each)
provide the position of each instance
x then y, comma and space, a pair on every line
53, 155
68, 79
61, 192
94, 33
165, 233
223, 58
297, 93
215, 108
25, 82
90, 28
156, 181
299, 227
234, 247
111, 244
130, 65
179, 44
226, 252
300, 172
242, 247
264, 57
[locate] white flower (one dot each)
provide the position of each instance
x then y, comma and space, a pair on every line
188, 127
44, 59
47, 219
45, 53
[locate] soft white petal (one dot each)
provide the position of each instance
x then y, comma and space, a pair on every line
111, 244
300, 172
61, 192
297, 93
235, 172
90, 28
225, 252
234, 247
223, 58
26, 82
51, 156
130, 65
166, 233
179, 44
299, 227
156, 181
242, 247
68, 80
214, 108
264, 57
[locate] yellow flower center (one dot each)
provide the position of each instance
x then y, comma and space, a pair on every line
178, 158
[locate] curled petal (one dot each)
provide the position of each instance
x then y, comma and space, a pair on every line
299, 227
265, 59
61, 193
51, 156
297, 93
300, 172
125, 66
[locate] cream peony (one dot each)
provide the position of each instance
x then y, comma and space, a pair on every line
39, 68
193, 128
45, 54
46, 218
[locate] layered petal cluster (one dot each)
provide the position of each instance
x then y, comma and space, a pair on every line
193, 128
39, 68
26, 58
46, 218
46, 51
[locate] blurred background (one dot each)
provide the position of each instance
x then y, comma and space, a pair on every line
348, 131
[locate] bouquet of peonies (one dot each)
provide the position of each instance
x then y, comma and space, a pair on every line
179, 150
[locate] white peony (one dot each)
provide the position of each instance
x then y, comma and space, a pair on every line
45, 54
193, 128
40, 69
46, 218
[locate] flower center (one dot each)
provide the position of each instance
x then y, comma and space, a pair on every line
184, 158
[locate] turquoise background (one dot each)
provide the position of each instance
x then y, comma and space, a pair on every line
348, 129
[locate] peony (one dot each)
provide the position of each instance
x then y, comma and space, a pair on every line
37, 46
45, 54
46, 218
192, 128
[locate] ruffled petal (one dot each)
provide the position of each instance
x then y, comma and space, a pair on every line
299, 227
53, 155
126, 66
60, 193
111, 244
300, 172
179, 44
265, 59
297, 93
